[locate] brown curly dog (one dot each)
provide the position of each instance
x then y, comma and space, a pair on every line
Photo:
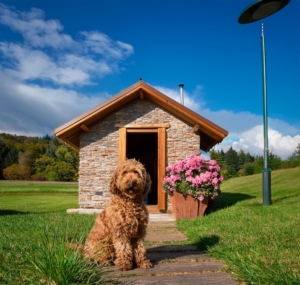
119, 231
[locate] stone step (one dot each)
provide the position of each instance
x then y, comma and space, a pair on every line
217, 278
171, 248
178, 256
168, 268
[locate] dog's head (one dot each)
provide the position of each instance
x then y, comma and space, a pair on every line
130, 179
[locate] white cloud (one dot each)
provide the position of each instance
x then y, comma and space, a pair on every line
36, 31
253, 141
68, 62
102, 44
33, 110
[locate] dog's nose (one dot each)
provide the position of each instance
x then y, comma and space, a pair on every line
130, 184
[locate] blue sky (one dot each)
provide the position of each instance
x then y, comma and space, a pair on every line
58, 58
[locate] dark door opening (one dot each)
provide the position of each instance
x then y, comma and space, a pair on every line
143, 147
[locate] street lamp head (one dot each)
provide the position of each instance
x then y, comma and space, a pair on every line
261, 9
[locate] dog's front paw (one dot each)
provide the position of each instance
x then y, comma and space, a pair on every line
145, 264
123, 265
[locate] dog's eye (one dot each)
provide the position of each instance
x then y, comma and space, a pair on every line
125, 172
136, 172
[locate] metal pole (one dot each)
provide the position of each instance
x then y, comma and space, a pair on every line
266, 173
181, 94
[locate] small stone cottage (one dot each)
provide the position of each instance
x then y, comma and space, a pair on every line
139, 122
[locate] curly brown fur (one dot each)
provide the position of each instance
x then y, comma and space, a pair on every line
119, 231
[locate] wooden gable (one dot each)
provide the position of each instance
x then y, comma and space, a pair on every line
210, 133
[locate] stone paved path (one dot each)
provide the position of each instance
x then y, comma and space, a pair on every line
173, 264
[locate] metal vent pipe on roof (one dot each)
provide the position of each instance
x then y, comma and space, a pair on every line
181, 94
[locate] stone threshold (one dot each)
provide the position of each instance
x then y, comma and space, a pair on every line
153, 217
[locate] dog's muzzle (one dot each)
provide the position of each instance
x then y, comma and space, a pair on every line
130, 185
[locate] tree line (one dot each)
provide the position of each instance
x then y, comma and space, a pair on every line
47, 158
39, 159
235, 163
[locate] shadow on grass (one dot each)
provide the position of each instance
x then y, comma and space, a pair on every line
12, 212
276, 200
226, 200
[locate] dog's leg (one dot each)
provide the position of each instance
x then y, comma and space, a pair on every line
123, 253
139, 255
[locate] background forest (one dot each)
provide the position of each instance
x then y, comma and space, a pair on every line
39, 159
47, 158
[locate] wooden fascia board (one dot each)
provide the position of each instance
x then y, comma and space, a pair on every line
97, 113
69, 143
187, 114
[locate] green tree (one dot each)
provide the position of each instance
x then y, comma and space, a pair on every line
249, 158
258, 164
17, 172
51, 150
42, 162
218, 156
231, 162
3, 151
241, 159
11, 157
275, 161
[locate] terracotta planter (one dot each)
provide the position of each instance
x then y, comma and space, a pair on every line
187, 207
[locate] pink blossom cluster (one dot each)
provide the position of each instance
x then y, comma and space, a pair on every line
194, 176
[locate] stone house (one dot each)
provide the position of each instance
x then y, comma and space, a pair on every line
139, 122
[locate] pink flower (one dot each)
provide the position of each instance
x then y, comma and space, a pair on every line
194, 176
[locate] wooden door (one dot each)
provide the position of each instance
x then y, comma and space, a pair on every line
161, 161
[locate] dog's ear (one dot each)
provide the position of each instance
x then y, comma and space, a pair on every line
148, 184
112, 185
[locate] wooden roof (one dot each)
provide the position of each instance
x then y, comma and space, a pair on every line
210, 133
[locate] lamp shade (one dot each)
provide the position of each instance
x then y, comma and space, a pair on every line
261, 9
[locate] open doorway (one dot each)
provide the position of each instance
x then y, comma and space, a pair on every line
144, 147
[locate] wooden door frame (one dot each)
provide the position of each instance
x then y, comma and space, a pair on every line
161, 153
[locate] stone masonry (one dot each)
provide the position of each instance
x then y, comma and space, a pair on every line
99, 149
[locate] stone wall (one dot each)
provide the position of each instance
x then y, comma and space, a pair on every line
99, 149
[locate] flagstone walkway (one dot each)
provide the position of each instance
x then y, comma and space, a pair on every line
173, 264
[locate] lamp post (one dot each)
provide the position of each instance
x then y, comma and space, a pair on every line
255, 12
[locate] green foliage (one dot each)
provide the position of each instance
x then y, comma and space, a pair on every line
11, 157
17, 172
232, 161
248, 168
43, 159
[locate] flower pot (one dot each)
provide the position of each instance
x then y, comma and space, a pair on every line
187, 207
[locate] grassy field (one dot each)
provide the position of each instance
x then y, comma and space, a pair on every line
32, 216
260, 244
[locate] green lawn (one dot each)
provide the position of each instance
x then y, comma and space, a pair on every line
29, 215
260, 244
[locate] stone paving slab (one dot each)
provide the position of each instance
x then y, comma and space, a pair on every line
160, 238
173, 267
167, 248
178, 256
182, 279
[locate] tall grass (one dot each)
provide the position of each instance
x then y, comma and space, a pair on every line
260, 244
59, 263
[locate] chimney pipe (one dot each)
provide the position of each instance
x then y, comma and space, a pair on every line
181, 94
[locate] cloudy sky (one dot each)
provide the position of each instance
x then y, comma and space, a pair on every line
58, 58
